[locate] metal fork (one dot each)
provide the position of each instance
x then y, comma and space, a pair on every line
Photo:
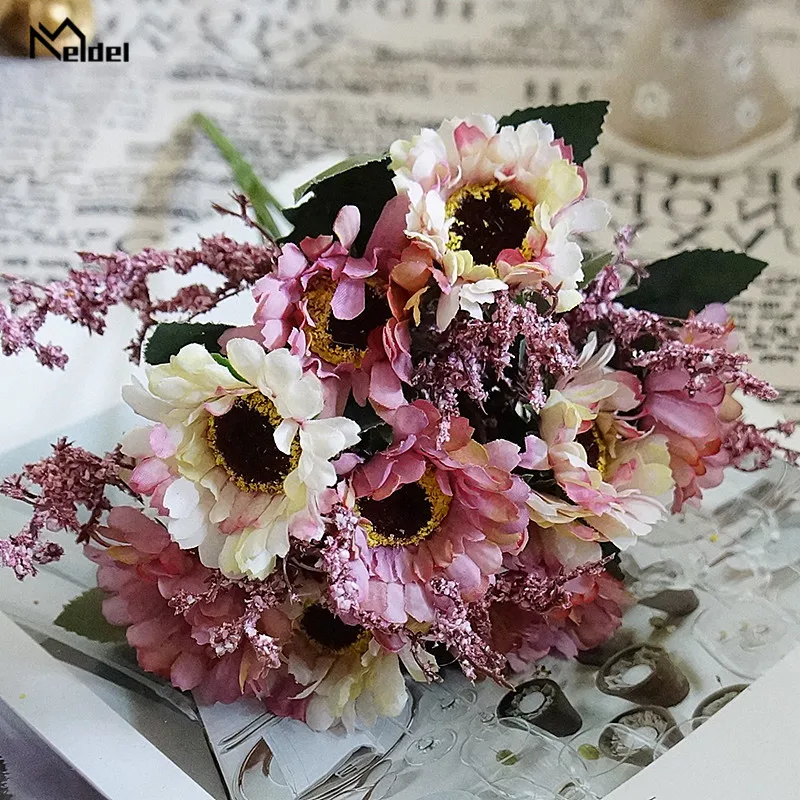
233, 740
362, 779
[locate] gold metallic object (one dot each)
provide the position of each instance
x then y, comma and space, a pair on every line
17, 17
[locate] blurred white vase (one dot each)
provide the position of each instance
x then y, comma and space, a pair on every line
692, 84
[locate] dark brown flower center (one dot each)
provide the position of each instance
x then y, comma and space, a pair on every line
408, 515
329, 632
343, 340
595, 447
243, 443
488, 220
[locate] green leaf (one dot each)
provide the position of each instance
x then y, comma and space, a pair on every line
169, 337
341, 166
368, 186
258, 194
376, 435
690, 281
84, 616
578, 124
593, 265
364, 416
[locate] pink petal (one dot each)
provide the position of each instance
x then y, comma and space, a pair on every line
535, 455
465, 572
417, 603
245, 332
348, 300
129, 524
395, 604
466, 135
388, 235
148, 474
670, 381
161, 442
683, 416
188, 670
486, 556
152, 633
222, 684
346, 226
385, 388
292, 262
359, 268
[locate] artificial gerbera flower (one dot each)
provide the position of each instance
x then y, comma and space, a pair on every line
344, 674
239, 455
505, 195
609, 473
694, 419
330, 308
694, 424
140, 571
596, 603
427, 510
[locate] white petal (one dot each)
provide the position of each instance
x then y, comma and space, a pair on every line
191, 377
326, 438
227, 557
472, 308
388, 686
210, 549
247, 358
589, 214
295, 490
447, 308
315, 473
257, 550
284, 435
302, 399
143, 403
136, 443
188, 532
568, 299
181, 498
570, 550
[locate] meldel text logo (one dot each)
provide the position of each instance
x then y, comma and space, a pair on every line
75, 52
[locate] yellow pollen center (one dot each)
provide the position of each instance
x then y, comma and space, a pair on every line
602, 451
408, 516
342, 341
487, 219
242, 442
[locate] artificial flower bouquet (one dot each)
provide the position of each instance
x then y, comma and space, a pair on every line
441, 424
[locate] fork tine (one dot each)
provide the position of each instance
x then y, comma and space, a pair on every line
234, 739
245, 735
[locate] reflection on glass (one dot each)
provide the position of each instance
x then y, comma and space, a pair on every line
610, 754
512, 748
746, 637
676, 734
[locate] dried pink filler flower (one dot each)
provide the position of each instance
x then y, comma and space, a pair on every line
459, 360
69, 480
455, 627
655, 343
752, 449
87, 295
